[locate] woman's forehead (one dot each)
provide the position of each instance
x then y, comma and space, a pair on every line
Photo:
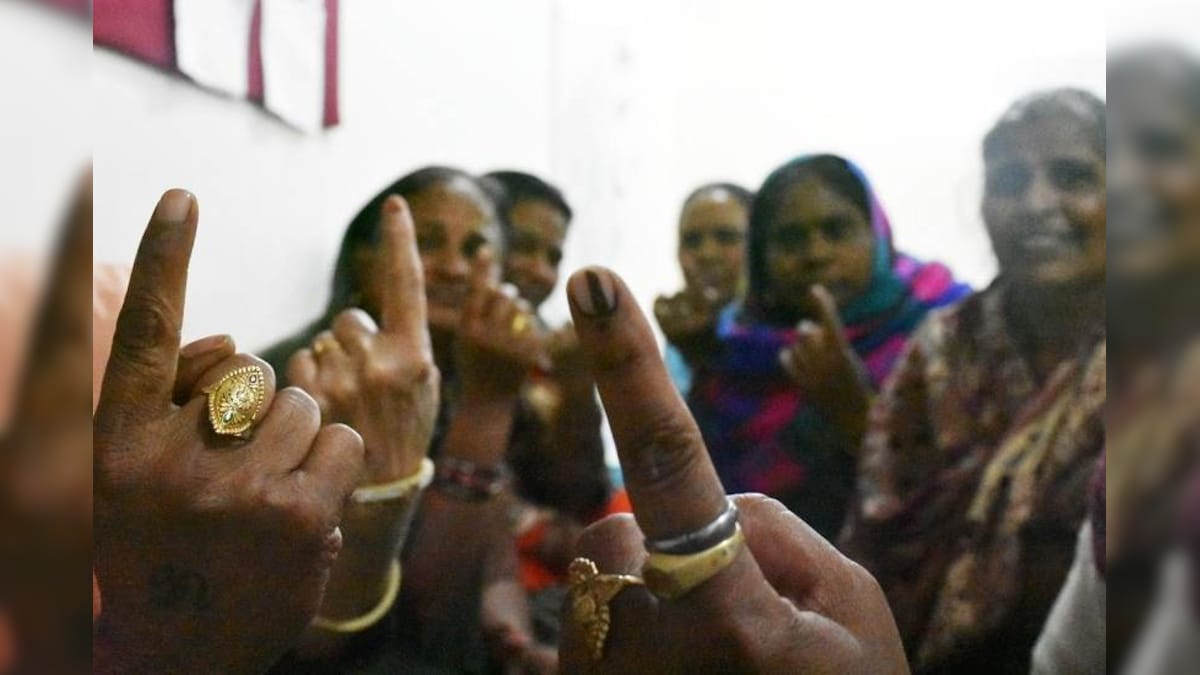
1059, 135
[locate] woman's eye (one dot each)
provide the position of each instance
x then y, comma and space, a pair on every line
729, 237
429, 242
1071, 176
836, 229
693, 240
473, 244
1008, 181
790, 238
525, 245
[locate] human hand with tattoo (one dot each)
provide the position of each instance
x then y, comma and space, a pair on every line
211, 551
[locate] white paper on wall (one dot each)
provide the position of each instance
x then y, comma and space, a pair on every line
212, 39
293, 55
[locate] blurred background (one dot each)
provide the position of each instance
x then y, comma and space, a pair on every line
626, 105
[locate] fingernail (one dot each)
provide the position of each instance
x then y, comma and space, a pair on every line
595, 296
392, 205
806, 327
174, 207
206, 345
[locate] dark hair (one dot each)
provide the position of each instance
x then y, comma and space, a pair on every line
1158, 61
364, 228
512, 187
740, 194
832, 171
1050, 103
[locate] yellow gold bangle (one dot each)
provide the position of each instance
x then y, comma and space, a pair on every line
396, 489
671, 576
372, 617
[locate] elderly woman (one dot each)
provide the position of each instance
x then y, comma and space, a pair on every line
712, 257
781, 395
973, 472
1132, 543
484, 344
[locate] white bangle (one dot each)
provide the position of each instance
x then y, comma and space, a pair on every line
401, 488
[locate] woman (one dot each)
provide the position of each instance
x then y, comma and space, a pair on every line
712, 252
782, 406
557, 452
1152, 419
484, 343
972, 480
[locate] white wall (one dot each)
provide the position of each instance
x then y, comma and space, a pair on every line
44, 121
1135, 21
627, 104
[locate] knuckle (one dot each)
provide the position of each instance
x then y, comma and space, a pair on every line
614, 544
663, 454
298, 406
345, 441
145, 323
380, 375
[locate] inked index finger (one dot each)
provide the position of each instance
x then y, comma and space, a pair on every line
403, 311
141, 369
671, 480
827, 311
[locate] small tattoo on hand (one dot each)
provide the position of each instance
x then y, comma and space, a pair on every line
172, 588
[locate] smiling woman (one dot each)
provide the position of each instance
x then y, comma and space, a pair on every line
972, 478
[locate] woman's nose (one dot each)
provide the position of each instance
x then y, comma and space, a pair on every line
452, 265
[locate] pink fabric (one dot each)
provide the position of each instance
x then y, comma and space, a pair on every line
254, 87
143, 29
331, 63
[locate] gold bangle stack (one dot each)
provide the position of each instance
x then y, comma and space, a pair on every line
372, 617
672, 576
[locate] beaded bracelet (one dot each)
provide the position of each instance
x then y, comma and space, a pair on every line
468, 481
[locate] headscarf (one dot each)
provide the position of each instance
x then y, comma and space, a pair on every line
761, 433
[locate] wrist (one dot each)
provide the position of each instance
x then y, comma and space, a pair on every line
151, 645
378, 515
398, 461
489, 396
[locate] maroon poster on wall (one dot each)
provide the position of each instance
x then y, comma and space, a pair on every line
282, 54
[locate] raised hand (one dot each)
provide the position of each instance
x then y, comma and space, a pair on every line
788, 602
212, 551
828, 371
688, 317
45, 466
569, 367
499, 341
382, 381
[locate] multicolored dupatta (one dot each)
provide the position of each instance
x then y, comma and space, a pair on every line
762, 435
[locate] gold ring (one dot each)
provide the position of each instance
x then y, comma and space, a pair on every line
520, 323
671, 576
324, 344
590, 594
234, 401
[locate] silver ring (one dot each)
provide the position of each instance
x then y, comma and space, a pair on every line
721, 528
